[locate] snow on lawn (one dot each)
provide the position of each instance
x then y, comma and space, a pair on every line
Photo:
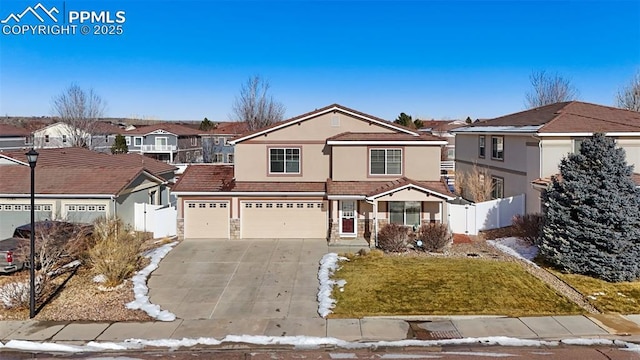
328, 265
141, 290
516, 248
298, 342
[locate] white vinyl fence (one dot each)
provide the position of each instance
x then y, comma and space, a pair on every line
160, 220
487, 215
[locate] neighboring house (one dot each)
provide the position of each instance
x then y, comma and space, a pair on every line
443, 128
79, 185
59, 135
215, 143
168, 142
333, 173
13, 137
518, 149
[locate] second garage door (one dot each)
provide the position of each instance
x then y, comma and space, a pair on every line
283, 219
206, 219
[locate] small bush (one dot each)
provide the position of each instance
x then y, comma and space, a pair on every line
116, 253
393, 238
15, 295
527, 227
433, 237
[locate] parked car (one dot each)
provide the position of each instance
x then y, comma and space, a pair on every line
8, 263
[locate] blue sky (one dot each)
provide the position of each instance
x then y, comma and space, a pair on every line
186, 60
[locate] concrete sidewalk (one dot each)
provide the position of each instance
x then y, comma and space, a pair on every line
356, 330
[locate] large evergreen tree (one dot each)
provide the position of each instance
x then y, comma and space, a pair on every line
120, 145
592, 214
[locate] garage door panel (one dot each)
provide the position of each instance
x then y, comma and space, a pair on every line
206, 219
284, 220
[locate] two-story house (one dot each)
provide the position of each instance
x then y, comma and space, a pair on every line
13, 137
521, 148
216, 144
333, 173
98, 136
168, 142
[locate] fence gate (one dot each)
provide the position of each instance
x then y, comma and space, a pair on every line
160, 220
472, 218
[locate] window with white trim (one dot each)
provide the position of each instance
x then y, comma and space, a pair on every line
481, 146
137, 141
284, 161
497, 147
230, 158
405, 213
497, 191
385, 161
64, 138
128, 140
218, 157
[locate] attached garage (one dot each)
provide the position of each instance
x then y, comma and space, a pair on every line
206, 219
283, 219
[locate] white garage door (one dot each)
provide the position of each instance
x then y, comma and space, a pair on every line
206, 219
283, 220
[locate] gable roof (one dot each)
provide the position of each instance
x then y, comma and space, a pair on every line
73, 158
321, 111
7, 130
375, 189
77, 171
352, 137
563, 117
176, 129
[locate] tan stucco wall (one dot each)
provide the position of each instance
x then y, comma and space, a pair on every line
320, 128
252, 163
351, 163
251, 156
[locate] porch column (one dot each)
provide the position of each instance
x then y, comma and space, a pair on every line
375, 224
440, 211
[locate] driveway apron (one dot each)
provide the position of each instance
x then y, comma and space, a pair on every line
223, 279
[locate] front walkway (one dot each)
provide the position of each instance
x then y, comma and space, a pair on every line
236, 280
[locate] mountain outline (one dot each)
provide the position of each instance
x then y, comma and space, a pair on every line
33, 10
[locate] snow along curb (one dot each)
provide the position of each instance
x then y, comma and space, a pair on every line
306, 342
141, 290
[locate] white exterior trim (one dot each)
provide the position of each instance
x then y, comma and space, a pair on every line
314, 114
385, 142
14, 160
62, 196
246, 193
410, 186
588, 134
346, 197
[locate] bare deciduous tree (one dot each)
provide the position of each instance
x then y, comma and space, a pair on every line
549, 89
475, 184
81, 110
255, 106
629, 96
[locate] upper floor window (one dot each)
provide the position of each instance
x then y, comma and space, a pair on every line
385, 161
225, 141
137, 141
194, 141
64, 138
216, 140
481, 146
497, 191
497, 147
128, 140
218, 157
46, 138
284, 161
230, 158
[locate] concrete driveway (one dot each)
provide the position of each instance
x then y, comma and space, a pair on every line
223, 279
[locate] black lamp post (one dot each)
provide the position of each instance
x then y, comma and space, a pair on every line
32, 158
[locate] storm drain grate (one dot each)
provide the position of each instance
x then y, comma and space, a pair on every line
432, 331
